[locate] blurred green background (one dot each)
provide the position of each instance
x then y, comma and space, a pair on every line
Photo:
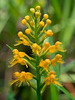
62, 14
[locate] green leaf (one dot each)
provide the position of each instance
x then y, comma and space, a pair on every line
4, 15
66, 9
57, 7
9, 47
11, 94
65, 91
68, 30
54, 92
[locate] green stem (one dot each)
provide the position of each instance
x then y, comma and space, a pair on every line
34, 77
45, 52
37, 63
38, 80
43, 89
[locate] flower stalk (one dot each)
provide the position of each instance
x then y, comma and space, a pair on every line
37, 30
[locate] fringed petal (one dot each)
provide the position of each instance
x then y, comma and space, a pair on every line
14, 82
18, 43
13, 63
55, 82
62, 50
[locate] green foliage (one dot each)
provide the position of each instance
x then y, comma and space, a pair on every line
11, 95
65, 91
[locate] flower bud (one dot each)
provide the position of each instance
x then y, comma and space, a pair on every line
27, 18
23, 21
45, 16
58, 56
48, 21
20, 34
46, 44
49, 33
32, 10
37, 8
37, 13
41, 23
47, 61
28, 31
31, 22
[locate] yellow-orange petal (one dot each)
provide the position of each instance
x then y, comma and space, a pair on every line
41, 63
21, 54
58, 56
15, 51
28, 75
17, 74
18, 43
13, 63
52, 72
62, 50
14, 81
52, 49
58, 43
47, 61
47, 81
53, 61
55, 82
49, 33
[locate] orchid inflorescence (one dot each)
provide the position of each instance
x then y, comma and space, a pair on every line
37, 30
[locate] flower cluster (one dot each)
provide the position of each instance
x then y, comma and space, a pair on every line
37, 30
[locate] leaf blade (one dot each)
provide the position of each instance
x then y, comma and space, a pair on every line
66, 92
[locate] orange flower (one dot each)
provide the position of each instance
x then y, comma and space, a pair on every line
36, 48
58, 58
45, 64
46, 45
51, 79
22, 77
55, 47
18, 58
